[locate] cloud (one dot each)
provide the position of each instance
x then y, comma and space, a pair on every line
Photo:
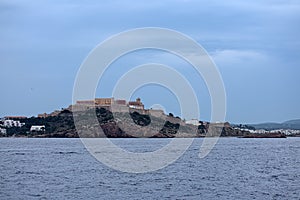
49, 39
238, 58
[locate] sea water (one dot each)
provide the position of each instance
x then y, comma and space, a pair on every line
236, 168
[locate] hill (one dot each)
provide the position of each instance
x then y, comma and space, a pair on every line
118, 125
291, 124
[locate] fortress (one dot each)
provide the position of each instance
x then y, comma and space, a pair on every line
116, 105
108, 103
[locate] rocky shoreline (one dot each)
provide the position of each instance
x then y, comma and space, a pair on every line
270, 135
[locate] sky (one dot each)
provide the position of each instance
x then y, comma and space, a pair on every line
255, 45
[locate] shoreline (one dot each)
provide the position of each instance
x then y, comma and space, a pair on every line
240, 137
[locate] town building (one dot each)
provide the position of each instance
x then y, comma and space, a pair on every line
2, 131
14, 117
194, 122
37, 128
12, 123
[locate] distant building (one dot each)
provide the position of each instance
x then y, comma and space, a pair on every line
3, 131
53, 114
136, 104
12, 123
44, 115
289, 132
37, 128
82, 105
120, 102
96, 102
194, 122
86, 102
15, 117
104, 101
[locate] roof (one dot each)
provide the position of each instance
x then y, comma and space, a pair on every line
135, 103
15, 117
36, 126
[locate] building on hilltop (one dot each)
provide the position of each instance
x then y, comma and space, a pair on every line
44, 115
86, 102
136, 104
118, 105
53, 114
97, 102
120, 102
104, 101
82, 105
107, 103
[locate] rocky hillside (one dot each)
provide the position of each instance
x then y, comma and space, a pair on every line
133, 124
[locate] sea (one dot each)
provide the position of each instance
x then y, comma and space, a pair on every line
236, 168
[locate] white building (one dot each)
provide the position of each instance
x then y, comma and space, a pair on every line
37, 128
194, 122
12, 123
286, 131
2, 130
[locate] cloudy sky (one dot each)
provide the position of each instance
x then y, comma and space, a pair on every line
255, 45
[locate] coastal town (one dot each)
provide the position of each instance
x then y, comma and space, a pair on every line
39, 125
